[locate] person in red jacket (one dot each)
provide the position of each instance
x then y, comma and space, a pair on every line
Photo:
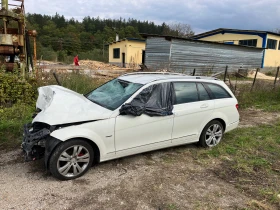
76, 61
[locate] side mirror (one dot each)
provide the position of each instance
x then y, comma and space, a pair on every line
130, 109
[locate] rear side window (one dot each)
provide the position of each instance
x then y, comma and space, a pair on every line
218, 91
203, 95
185, 92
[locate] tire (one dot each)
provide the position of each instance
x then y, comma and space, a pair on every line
71, 159
212, 134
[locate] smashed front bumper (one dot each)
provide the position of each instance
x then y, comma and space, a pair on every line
30, 143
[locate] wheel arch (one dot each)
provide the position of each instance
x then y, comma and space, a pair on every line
54, 143
95, 148
218, 119
221, 121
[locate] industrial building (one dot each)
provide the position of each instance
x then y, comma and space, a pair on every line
184, 55
128, 52
262, 39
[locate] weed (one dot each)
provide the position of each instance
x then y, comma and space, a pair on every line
11, 122
172, 206
262, 97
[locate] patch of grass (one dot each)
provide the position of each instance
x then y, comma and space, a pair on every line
263, 96
248, 157
77, 82
12, 120
172, 207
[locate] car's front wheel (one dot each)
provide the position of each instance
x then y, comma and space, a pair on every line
212, 134
71, 159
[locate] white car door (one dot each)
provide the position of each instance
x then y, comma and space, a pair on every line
142, 133
193, 108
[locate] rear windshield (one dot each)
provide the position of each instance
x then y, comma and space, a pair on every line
113, 94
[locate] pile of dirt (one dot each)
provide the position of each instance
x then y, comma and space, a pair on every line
251, 74
96, 65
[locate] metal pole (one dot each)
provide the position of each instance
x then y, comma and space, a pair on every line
225, 73
255, 79
56, 78
235, 84
276, 76
193, 72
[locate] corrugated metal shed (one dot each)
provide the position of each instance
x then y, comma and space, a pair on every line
157, 53
183, 55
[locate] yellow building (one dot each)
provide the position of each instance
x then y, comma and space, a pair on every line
129, 52
264, 39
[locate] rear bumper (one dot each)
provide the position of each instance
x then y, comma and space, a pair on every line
30, 142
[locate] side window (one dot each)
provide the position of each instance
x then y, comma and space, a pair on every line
218, 91
203, 95
185, 92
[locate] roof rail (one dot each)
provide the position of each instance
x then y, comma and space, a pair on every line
165, 73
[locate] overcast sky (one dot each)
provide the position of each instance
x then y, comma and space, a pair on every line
202, 15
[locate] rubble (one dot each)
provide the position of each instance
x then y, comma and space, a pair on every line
96, 65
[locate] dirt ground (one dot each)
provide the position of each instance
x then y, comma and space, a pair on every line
166, 179
260, 75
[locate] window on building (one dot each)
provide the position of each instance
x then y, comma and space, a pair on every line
116, 53
271, 44
279, 46
248, 42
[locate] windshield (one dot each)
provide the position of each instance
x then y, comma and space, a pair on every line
113, 94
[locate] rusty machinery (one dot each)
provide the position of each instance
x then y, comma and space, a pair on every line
14, 38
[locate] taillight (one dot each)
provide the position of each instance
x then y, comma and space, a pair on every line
237, 106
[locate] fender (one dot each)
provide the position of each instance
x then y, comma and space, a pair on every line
215, 115
100, 132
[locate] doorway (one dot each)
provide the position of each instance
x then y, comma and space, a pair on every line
123, 60
143, 56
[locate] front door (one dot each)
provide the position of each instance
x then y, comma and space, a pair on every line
144, 132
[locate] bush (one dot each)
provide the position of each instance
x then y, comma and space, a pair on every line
14, 89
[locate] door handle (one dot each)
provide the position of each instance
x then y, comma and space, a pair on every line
204, 106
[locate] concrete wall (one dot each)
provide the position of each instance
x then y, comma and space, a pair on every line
133, 53
272, 57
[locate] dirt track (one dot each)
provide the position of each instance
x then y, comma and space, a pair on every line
165, 179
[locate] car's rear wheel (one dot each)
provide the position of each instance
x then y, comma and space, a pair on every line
71, 159
212, 134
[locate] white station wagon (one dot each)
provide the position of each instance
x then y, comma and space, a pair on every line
131, 114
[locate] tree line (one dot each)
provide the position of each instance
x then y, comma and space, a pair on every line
60, 38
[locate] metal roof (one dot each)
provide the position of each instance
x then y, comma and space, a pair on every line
229, 30
169, 38
147, 77
129, 39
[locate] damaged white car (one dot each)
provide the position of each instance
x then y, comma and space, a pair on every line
131, 114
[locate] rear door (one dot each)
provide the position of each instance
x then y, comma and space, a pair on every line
193, 108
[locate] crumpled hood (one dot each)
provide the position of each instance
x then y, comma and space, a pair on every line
60, 105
